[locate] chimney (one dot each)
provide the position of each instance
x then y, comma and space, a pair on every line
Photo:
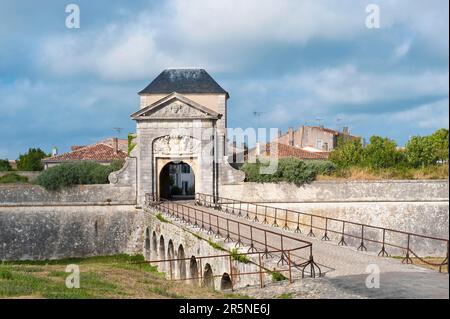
345, 130
115, 145
291, 136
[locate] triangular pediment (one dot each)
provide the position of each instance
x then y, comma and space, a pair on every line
174, 106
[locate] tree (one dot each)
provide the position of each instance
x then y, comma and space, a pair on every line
381, 153
4, 165
348, 153
428, 150
439, 144
31, 161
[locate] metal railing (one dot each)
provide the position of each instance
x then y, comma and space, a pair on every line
259, 240
280, 218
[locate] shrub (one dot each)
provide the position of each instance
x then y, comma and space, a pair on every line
289, 169
347, 154
31, 161
4, 165
321, 167
13, 178
423, 151
69, 174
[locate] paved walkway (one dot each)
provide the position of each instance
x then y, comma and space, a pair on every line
344, 267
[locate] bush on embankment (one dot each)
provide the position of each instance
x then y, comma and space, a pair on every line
80, 173
288, 169
13, 178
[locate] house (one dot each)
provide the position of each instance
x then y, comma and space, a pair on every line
280, 150
315, 138
103, 152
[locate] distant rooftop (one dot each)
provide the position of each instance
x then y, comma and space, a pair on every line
188, 80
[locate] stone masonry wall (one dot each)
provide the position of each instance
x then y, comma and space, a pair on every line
36, 233
25, 194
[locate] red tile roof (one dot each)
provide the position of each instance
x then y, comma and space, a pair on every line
291, 151
99, 152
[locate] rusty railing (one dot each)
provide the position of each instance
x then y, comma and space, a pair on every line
281, 218
259, 240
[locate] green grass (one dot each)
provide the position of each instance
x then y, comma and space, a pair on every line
241, 258
216, 245
277, 276
161, 218
13, 178
119, 276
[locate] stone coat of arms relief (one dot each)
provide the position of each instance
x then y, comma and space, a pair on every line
178, 109
176, 145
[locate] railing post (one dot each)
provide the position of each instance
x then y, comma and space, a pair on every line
275, 224
231, 272
256, 213
228, 238
325, 236
407, 259
286, 227
260, 271
383, 251
298, 230
311, 232
342, 241
361, 245
290, 267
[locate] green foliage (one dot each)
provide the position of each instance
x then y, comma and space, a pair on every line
381, 153
31, 161
13, 178
423, 151
238, 257
277, 276
347, 154
161, 218
289, 169
116, 165
5, 166
131, 145
69, 174
321, 167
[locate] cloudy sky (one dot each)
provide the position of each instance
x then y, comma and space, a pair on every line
297, 61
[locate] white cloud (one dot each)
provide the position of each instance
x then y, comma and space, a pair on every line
402, 50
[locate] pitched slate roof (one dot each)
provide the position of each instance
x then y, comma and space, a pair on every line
99, 152
291, 151
183, 81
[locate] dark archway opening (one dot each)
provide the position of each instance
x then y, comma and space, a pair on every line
193, 271
208, 277
154, 246
177, 181
170, 256
147, 244
181, 263
225, 282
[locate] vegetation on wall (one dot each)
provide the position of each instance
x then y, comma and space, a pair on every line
31, 160
80, 173
4, 165
131, 144
13, 178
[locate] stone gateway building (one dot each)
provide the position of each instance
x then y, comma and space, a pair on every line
182, 120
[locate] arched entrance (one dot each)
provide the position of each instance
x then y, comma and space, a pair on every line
177, 181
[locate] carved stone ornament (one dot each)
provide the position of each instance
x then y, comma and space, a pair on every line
176, 144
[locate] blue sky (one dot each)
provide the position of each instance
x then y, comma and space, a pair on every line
297, 61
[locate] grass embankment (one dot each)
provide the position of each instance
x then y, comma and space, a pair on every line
100, 277
358, 173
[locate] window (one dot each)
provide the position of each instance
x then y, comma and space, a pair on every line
185, 169
319, 144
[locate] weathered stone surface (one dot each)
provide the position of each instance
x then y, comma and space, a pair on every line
341, 191
25, 194
60, 232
